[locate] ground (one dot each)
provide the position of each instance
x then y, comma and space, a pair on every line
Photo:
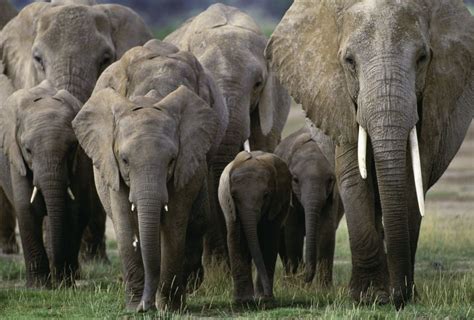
444, 272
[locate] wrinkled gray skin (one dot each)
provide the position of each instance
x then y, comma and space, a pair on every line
230, 45
316, 206
387, 66
39, 148
7, 12
254, 194
153, 120
69, 45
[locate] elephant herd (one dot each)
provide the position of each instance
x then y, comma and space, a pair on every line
179, 141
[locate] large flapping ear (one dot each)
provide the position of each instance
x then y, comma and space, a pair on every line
9, 126
449, 86
273, 106
128, 28
197, 131
225, 196
303, 51
282, 176
16, 42
94, 127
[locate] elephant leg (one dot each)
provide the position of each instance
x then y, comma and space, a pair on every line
326, 246
129, 251
294, 238
369, 280
269, 239
8, 244
241, 264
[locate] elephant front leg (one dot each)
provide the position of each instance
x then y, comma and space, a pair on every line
128, 246
241, 264
294, 233
8, 244
369, 281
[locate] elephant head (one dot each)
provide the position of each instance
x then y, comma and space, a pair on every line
397, 70
231, 46
310, 158
37, 138
70, 45
254, 185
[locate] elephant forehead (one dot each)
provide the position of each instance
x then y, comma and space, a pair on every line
146, 122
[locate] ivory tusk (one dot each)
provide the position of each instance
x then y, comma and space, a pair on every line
247, 146
416, 164
133, 207
33, 194
166, 207
71, 195
135, 242
362, 152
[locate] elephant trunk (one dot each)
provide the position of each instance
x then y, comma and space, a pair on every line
53, 187
150, 201
389, 113
249, 225
78, 81
312, 211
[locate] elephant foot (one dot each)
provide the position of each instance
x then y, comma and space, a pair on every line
402, 295
42, 281
194, 280
145, 306
265, 302
10, 247
370, 286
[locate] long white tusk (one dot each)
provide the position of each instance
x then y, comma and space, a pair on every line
166, 207
133, 207
362, 152
33, 194
416, 164
247, 146
71, 195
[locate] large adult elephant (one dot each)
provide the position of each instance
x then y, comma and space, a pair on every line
231, 46
153, 120
401, 74
69, 45
7, 12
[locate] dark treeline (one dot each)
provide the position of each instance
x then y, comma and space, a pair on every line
165, 12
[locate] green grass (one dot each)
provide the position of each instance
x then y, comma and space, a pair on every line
445, 281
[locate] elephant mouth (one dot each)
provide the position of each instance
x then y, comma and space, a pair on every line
415, 157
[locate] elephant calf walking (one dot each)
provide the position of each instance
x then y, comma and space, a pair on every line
254, 193
316, 209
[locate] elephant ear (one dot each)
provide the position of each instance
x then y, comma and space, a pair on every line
68, 99
448, 101
198, 125
16, 42
94, 128
303, 51
274, 106
225, 196
9, 126
282, 176
128, 28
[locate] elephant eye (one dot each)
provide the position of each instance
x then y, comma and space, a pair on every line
39, 60
350, 62
28, 150
106, 61
422, 58
124, 160
295, 180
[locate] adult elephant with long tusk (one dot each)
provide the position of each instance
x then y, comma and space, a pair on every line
392, 83
45, 175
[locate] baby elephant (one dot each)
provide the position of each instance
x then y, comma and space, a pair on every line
254, 193
316, 209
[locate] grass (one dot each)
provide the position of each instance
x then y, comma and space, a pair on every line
445, 280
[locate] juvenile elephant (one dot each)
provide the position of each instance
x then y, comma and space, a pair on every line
69, 43
153, 120
231, 46
316, 206
7, 12
402, 74
254, 193
43, 173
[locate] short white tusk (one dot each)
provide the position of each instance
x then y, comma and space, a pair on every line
166, 207
71, 195
416, 164
362, 152
135, 242
33, 194
247, 146
133, 207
